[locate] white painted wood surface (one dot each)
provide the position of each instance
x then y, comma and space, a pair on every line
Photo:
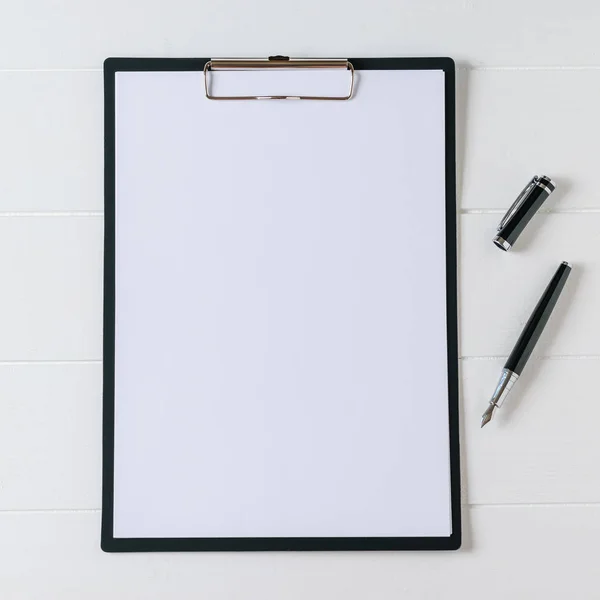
528, 90
518, 552
51, 154
51, 305
72, 33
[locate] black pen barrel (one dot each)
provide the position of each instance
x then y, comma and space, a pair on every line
537, 321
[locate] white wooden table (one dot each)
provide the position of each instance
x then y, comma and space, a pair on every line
528, 102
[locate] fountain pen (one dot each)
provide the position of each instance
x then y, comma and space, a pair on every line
527, 340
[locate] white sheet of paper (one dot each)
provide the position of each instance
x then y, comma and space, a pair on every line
281, 359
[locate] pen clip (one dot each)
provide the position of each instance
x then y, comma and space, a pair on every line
518, 202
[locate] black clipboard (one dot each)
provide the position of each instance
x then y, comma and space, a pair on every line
109, 542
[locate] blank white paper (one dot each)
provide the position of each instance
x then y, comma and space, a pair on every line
281, 362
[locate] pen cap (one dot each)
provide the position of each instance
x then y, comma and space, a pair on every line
522, 210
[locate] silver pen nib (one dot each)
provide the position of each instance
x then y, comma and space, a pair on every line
487, 415
507, 379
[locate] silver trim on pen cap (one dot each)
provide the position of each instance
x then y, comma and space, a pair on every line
501, 243
545, 182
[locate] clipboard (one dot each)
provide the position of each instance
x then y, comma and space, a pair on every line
280, 305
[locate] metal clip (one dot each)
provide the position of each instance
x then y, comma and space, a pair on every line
518, 202
277, 62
